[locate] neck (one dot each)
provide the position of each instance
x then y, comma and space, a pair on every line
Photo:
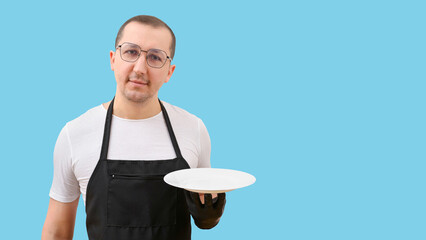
127, 109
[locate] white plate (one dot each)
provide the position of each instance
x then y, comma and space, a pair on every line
209, 180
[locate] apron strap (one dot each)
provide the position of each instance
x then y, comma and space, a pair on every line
107, 131
171, 133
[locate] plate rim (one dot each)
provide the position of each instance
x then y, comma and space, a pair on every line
168, 176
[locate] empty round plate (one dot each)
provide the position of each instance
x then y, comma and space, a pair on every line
209, 180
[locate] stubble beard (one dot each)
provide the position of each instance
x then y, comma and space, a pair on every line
136, 96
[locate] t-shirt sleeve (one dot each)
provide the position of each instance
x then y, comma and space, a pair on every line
205, 146
65, 187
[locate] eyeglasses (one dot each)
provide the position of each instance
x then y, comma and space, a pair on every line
155, 58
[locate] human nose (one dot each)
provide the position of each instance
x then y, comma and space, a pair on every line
140, 64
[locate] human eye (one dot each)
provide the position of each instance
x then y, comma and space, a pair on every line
131, 52
155, 57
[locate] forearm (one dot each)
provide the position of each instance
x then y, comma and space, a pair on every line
60, 221
55, 234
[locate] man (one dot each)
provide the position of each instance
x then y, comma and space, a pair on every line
116, 154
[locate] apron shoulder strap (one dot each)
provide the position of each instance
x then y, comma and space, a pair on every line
107, 129
171, 133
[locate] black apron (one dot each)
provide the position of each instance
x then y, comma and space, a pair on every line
129, 200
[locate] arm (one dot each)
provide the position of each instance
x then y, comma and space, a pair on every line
206, 209
60, 220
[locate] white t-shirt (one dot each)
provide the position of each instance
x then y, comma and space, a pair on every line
78, 146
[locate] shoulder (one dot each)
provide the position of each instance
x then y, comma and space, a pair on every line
88, 121
178, 114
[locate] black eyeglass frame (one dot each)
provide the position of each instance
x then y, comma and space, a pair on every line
145, 51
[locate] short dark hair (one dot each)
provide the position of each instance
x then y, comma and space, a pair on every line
150, 21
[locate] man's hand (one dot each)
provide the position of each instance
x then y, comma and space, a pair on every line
214, 196
204, 211
60, 220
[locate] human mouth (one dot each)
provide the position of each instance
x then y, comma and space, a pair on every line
139, 82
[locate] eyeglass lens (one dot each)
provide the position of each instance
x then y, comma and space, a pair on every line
131, 52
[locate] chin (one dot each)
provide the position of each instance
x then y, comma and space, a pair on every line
138, 97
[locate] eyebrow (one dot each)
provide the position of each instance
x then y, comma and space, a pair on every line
128, 43
157, 50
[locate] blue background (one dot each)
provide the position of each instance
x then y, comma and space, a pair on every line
322, 101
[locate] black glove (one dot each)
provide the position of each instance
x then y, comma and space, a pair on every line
205, 215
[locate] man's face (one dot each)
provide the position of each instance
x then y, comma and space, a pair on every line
136, 81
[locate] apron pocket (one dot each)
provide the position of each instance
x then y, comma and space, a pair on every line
140, 201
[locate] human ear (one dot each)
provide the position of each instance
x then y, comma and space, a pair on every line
112, 59
170, 72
